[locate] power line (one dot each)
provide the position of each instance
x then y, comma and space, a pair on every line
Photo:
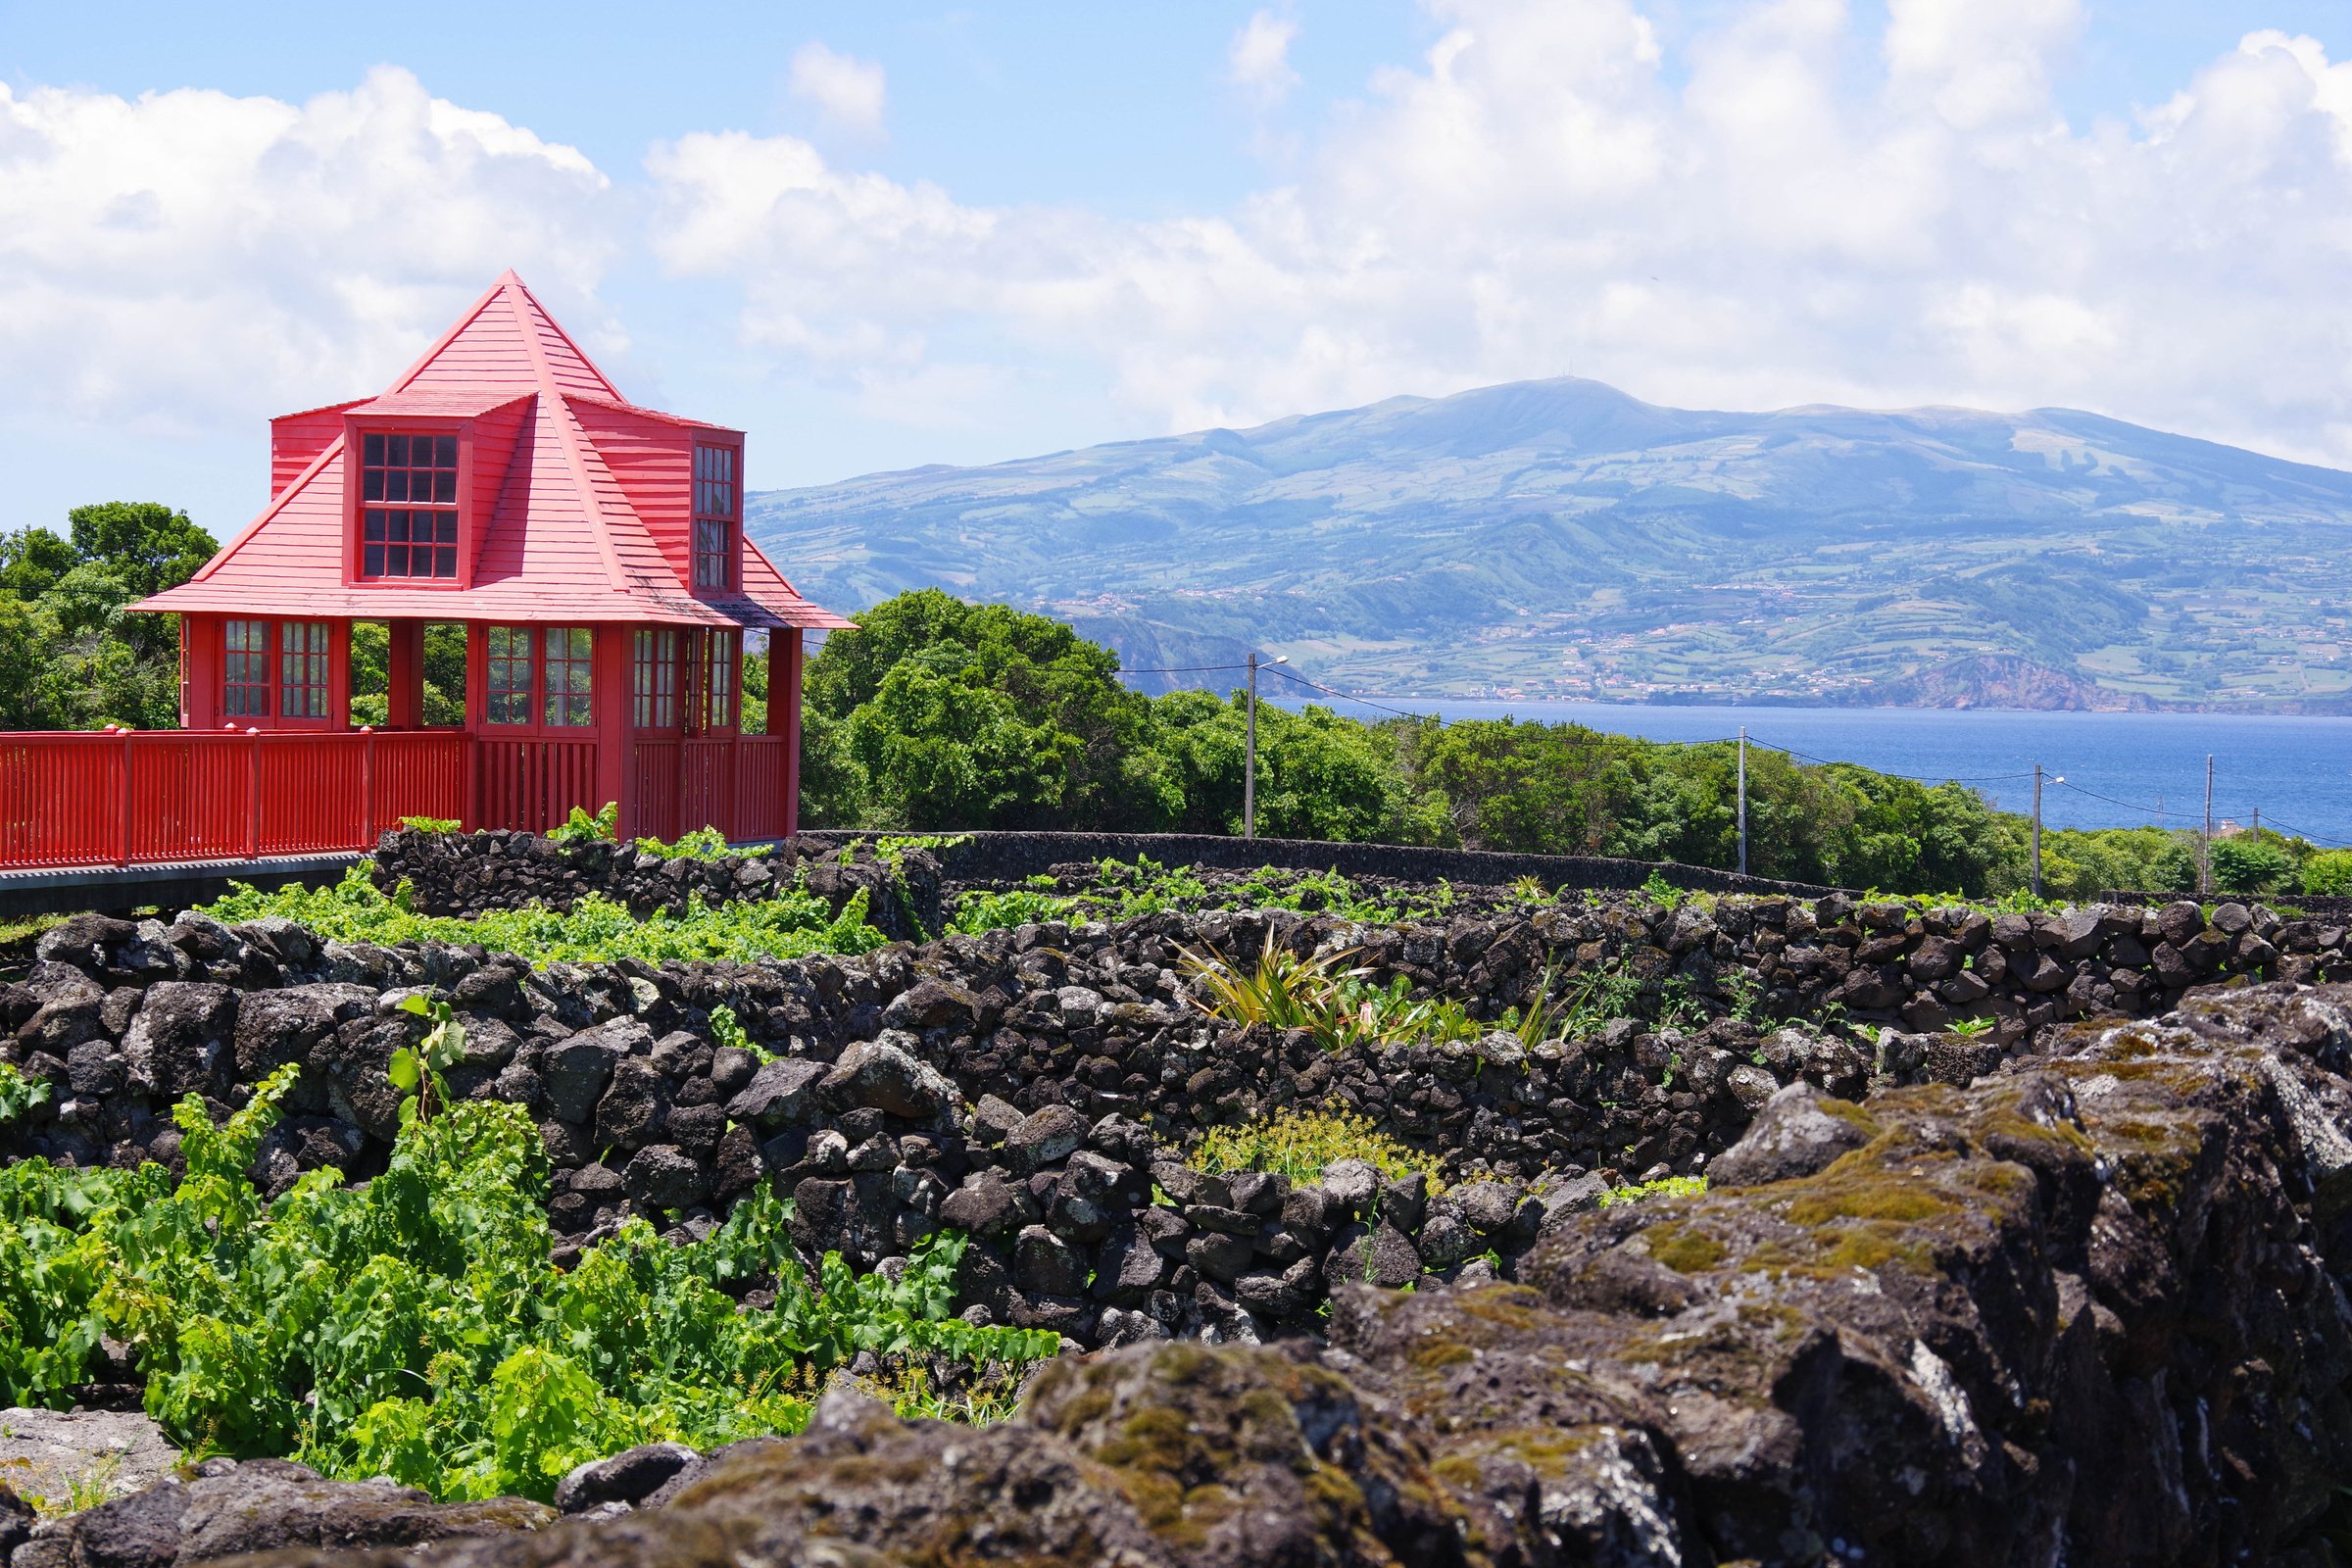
1826, 762
1346, 697
2128, 805
2293, 832
1184, 669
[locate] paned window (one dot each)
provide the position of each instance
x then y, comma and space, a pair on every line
569, 663
302, 670
409, 506
506, 683
245, 670
714, 516
719, 688
656, 678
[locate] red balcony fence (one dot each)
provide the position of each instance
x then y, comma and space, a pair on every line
144, 797
533, 784
137, 797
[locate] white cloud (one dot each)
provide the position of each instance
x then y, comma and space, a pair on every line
188, 260
847, 91
1781, 213
1260, 59
1780, 209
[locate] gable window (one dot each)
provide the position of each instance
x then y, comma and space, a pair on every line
656, 678
245, 670
506, 670
302, 670
714, 497
719, 686
409, 506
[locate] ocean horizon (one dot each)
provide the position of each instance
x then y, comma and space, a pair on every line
2120, 770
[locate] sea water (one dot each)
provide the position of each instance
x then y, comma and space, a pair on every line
2121, 769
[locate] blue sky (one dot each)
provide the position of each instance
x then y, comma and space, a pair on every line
880, 236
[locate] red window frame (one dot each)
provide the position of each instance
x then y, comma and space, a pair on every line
305, 663
718, 505
447, 525
567, 669
722, 681
653, 682
408, 509
509, 675
246, 673
539, 678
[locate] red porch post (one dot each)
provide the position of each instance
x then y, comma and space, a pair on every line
784, 715
200, 671
477, 705
404, 686
610, 687
338, 674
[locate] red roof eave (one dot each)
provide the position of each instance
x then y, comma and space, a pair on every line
376, 603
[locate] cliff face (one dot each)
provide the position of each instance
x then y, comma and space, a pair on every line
1993, 680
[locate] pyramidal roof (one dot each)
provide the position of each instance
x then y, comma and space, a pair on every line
557, 536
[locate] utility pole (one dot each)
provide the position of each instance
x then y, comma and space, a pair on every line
2205, 860
1249, 748
1743, 800
2038, 830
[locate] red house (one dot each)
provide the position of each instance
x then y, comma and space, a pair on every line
592, 550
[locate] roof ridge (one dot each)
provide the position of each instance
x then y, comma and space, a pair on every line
625, 405
512, 283
568, 435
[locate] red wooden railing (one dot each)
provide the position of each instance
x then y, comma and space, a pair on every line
533, 784
654, 779
130, 798
733, 784
134, 797
760, 767
706, 785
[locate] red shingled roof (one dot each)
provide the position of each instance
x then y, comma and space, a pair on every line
581, 518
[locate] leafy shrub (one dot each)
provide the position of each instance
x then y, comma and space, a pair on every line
432, 824
727, 1030
18, 1094
2248, 864
1299, 1144
790, 925
1665, 1187
2328, 874
1281, 990
976, 913
702, 844
581, 828
1599, 997
414, 1327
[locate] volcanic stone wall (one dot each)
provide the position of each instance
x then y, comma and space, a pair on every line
467, 873
1004, 858
2089, 1310
1032, 1086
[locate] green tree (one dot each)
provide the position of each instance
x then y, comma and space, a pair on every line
71, 655
2243, 863
2328, 874
939, 713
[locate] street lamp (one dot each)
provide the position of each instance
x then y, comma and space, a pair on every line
1250, 750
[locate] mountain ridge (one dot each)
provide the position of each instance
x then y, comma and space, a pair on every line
1563, 539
